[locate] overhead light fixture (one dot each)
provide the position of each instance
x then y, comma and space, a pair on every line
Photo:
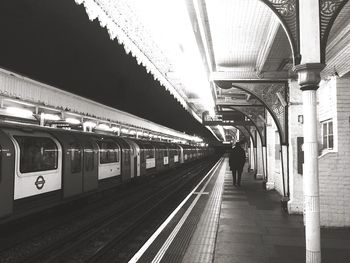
19, 112
123, 130
90, 124
50, 117
103, 126
115, 129
197, 139
72, 121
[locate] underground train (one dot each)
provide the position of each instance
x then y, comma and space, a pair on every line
37, 161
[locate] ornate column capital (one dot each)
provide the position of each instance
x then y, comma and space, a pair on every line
309, 75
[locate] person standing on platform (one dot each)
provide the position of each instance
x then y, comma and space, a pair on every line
236, 162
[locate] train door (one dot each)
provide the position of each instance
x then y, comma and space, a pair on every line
135, 159
90, 167
7, 172
72, 164
181, 154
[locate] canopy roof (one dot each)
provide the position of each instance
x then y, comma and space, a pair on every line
189, 46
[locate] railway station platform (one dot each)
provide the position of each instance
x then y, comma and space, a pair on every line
222, 223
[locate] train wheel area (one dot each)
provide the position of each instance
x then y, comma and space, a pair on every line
54, 227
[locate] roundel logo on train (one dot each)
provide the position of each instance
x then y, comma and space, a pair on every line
40, 182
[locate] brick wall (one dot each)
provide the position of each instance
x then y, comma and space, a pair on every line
334, 165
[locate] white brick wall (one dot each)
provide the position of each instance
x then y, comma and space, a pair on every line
334, 166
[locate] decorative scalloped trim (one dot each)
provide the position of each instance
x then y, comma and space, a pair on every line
94, 11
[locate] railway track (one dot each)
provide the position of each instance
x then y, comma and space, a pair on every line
68, 237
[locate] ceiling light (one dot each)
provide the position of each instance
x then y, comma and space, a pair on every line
50, 117
19, 112
103, 126
123, 130
115, 129
72, 121
90, 124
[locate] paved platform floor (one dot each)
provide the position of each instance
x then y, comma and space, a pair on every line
251, 227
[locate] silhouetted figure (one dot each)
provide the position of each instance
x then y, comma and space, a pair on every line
236, 161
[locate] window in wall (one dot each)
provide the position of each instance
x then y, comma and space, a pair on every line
37, 154
327, 135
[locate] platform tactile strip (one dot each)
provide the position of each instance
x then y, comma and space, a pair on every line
201, 248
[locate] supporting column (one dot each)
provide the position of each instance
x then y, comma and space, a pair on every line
285, 177
249, 158
309, 78
284, 167
264, 149
255, 159
259, 159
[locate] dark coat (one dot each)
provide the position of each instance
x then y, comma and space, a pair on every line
237, 158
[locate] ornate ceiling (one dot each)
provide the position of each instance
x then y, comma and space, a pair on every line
217, 56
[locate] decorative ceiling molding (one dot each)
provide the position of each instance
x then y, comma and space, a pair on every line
288, 13
274, 97
257, 116
246, 132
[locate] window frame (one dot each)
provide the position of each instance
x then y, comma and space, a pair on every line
18, 155
77, 149
117, 152
326, 137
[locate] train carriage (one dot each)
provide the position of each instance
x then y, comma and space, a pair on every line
49, 165
162, 156
174, 155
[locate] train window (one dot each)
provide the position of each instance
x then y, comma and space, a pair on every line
75, 157
109, 152
37, 154
89, 155
150, 153
165, 153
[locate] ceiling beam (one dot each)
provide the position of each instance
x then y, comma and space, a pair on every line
267, 45
199, 19
229, 102
250, 76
